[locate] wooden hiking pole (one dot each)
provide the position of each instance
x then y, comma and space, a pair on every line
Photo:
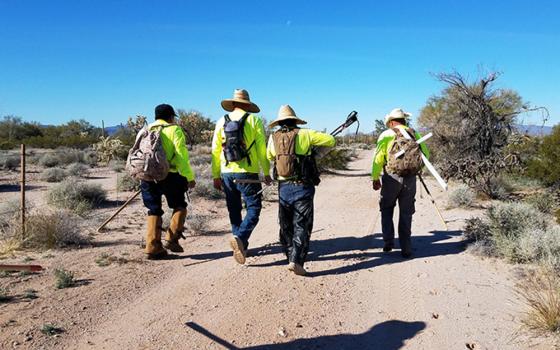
30, 268
433, 202
118, 211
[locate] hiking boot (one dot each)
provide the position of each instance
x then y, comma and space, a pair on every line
407, 254
154, 249
388, 246
297, 269
238, 248
175, 231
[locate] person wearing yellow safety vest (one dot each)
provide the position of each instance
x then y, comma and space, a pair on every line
239, 153
179, 179
395, 187
290, 147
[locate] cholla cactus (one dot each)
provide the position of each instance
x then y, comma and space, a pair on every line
108, 148
136, 124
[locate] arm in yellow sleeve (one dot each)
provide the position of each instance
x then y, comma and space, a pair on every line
217, 151
270, 150
260, 144
182, 155
380, 155
321, 139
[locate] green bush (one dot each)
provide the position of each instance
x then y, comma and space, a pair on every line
53, 175
543, 201
49, 160
546, 165
63, 278
77, 169
127, 183
117, 166
76, 195
517, 232
462, 196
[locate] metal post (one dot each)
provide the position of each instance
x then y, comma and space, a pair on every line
22, 190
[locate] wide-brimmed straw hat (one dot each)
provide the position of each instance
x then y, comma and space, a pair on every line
286, 113
396, 113
240, 96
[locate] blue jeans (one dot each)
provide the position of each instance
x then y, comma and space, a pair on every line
235, 193
295, 212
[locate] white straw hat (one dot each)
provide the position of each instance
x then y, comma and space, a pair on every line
396, 113
287, 113
240, 96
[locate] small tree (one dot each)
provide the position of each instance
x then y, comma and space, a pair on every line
545, 166
473, 124
197, 127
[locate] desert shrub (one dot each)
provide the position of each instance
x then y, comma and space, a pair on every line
541, 293
76, 195
201, 159
198, 128
546, 165
49, 160
4, 295
497, 188
10, 162
117, 166
127, 183
63, 278
517, 232
200, 149
71, 155
9, 210
543, 201
51, 329
53, 174
462, 196
517, 182
197, 223
205, 188
337, 159
77, 169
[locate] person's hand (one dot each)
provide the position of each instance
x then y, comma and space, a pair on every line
267, 180
191, 184
218, 184
376, 185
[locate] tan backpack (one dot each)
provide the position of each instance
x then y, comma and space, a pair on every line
146, 159
409, 163
285, 146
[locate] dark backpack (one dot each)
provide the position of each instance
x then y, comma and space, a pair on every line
235, 148
409, 163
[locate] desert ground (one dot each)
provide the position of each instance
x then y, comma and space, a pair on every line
355, 296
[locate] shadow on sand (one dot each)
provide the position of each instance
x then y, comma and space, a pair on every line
388, 335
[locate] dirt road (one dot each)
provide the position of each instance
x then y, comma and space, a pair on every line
355, 297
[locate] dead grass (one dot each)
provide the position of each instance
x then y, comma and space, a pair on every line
541, 293
106, 259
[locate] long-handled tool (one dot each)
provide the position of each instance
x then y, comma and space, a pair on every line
30, 268
433, 202
118, 211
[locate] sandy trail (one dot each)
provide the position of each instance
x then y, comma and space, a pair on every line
355, 297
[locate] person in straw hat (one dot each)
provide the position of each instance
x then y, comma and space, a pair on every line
398, 182
290, 147
239, 153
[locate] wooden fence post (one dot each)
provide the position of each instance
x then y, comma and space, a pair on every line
22, 190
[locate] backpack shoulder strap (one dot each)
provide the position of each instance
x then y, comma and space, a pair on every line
227, 119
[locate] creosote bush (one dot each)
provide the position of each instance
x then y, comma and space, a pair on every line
77, 169
127, 183
517, 232
76, 195
462, 196
53, 175
63, 278
49, 160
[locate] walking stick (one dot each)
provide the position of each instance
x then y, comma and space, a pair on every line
118, 211
433, 201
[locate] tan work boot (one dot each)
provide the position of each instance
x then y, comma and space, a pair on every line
154, 248
297, 269
238, 248
175, 231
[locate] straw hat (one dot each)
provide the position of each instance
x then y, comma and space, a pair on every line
240, 96
287, 113
396, 113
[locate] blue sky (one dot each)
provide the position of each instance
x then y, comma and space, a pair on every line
63, 60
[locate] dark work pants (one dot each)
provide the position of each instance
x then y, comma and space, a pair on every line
402, 190
235, 193
295, 212
172, 187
